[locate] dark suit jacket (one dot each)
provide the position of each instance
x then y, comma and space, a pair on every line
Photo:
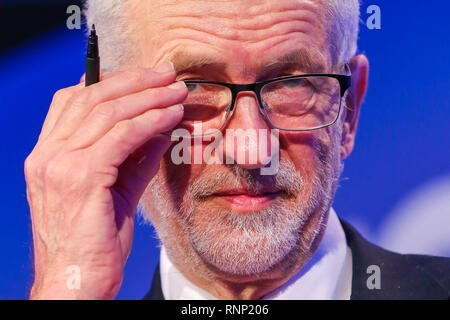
402, 276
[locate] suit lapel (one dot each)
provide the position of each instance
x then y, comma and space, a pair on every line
155, 292
401, 276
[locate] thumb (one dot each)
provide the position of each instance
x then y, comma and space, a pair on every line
138, 169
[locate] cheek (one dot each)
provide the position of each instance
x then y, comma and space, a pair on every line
178, 177
308, 151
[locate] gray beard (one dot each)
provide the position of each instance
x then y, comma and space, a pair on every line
248, 244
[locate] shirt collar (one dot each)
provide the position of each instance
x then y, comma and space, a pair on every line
327, 275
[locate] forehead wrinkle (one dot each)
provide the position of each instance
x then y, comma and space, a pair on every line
231, 21
234, 9
300, 57
298, 14
228, 38
311, 58
259, 22
177, 26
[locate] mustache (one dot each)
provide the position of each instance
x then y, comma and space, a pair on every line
287, 180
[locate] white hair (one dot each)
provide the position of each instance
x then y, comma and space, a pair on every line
344, 29
114, 29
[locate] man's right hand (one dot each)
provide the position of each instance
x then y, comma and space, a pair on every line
98, 150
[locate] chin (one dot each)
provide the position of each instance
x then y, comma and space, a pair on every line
248, 244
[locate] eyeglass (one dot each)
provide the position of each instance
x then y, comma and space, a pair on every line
291, 103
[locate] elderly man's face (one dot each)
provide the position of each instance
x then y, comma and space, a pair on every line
245, 235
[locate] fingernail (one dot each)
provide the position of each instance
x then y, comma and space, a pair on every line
177, 85
177, 107
165, 67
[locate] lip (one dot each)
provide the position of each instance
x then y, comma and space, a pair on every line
245, 201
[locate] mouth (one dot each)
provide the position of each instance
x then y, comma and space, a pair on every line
246, 201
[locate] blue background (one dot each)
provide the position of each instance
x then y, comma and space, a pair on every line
402, 142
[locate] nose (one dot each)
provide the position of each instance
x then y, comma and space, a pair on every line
247, 135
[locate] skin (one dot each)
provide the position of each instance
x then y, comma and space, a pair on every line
95, 157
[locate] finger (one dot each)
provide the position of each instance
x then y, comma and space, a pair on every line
60, 100
138, 169
58, 104
122, 84
128, 135
134, 175
103, 76
62, 96
106, 115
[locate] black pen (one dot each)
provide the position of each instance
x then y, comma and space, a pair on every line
92, 59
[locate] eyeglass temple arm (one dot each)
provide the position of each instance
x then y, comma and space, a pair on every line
346, 79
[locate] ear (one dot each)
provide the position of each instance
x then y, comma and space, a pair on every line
359, 67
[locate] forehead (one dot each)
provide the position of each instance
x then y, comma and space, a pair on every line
245, 35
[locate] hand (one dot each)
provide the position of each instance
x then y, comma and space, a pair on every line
98, 149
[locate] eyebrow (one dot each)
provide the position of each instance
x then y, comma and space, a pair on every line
300, 58
184, 61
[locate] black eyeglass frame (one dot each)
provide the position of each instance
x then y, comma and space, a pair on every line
344, 83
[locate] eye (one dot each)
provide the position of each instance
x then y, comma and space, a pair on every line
191, 86
294, 83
